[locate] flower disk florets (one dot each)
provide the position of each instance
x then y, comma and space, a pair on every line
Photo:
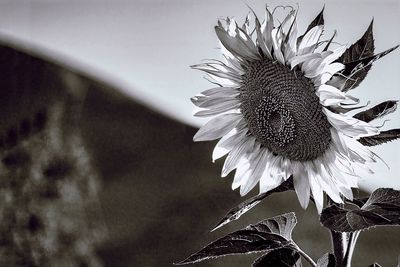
283, 112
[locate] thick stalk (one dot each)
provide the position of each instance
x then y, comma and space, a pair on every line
350, 249
340, 242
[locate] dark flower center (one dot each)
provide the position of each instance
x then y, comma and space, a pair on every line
283, 112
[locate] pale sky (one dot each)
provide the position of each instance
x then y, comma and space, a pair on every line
145, 47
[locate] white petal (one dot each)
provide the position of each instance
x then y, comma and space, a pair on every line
349, 125
329, 185
277, 41
220, 69
246, 24
287, 22
309, 67
261, 42
272, 176
337, 81
329, 95
216, 102
302, 58
301, 185
232, 61
217, 127
241, 150
229, 141
247, 41
331, 189
309, 40
219, 150
221, 91
356, 148
266, 29
333, 68
316, 190
218, 109
223, 82
338, 143
257, 165
235, 45
242, 173
291, 46
347, 192
328, 72
334, 55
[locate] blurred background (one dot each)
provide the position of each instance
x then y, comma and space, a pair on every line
160, 194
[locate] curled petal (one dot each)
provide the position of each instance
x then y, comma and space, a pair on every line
349, 125
329, 95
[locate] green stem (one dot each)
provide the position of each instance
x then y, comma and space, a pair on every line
304, 255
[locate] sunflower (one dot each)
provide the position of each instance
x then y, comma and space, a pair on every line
281, 110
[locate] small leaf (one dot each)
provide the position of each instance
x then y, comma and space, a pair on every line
375, 265
357, 70
363, 48
377, 111
382, 137
250, 203
319, 20
284, 257
267, 235
327, 260
382, 208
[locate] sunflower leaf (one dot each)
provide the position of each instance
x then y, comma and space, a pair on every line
267, 235
327, 260
382, 208
250, 203
377, 111
319, 20
383, 137
356, 71
363, 48
284, 257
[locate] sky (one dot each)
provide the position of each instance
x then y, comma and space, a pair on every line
145, 47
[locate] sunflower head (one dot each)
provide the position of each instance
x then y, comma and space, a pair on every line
281, 106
